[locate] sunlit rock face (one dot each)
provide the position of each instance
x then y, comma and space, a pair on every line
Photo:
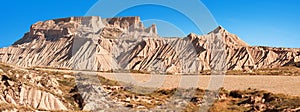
30, 89
110, 44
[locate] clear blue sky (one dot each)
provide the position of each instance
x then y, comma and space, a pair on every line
258, 22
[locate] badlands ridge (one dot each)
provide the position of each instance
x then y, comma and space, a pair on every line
111, 44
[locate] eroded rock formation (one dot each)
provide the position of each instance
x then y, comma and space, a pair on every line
31, 90
93, 43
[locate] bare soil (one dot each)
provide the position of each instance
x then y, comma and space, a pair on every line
289, 85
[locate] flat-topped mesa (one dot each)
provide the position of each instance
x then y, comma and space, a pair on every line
130, 24
62, 23
58, 28
51, 44
125, 22
76, 19
52, 30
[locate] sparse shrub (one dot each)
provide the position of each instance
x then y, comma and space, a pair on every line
236, 94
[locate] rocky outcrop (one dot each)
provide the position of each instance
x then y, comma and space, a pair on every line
111, 44
39, 99
20, 94
240, 56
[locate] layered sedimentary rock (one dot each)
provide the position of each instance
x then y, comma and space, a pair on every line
240, 56
27, 89
93, 43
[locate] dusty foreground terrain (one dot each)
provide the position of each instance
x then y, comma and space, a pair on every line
35, 89
277, 84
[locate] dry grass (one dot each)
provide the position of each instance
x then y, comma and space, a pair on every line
237, 99
232, 103
65, 84
108, 82
45, 67
280, 71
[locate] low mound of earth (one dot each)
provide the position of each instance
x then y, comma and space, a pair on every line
114, 44
34, 89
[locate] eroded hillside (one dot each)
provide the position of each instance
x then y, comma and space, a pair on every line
112, 44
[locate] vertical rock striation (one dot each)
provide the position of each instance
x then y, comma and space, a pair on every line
93, 43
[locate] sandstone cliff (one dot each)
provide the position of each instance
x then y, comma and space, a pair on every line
93, 43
